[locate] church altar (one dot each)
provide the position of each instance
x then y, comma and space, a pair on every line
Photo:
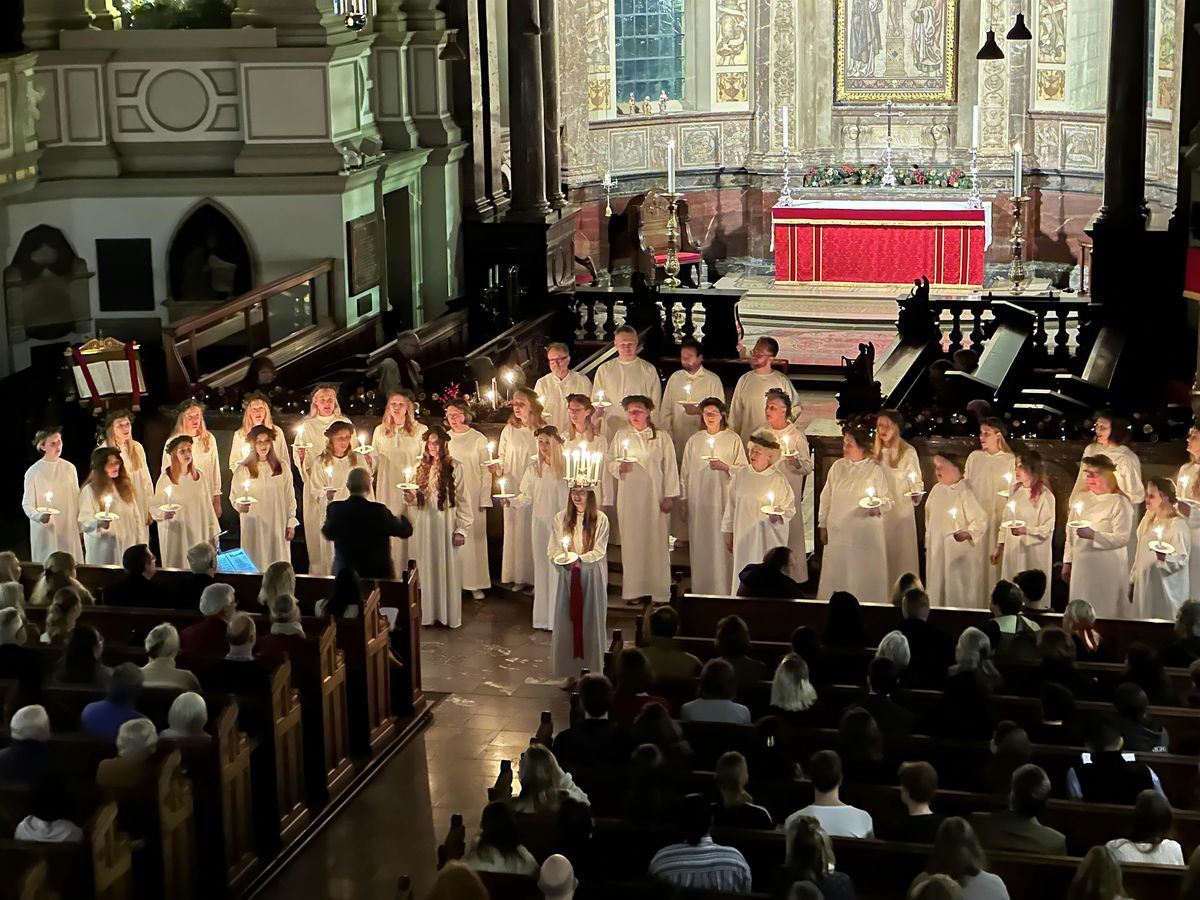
835, 241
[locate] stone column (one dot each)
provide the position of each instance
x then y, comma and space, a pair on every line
297, 23
526, 111
548, 20
476, 104
1125, 140
390, 56
44, 19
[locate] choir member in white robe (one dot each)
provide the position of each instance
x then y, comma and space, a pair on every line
182, 485
704, 495
517, 450
1188, 481
986, 473
749, 532
543, 492
51, 483
190, 421
118, 432
269, 524
470, 447
560, 382
855, 544
903, 469
256, 410
586, 435
1112, 433
108, 490
957, 539
323, 411
1159, 580
680, 412
795, 464
643, 462
1096, 556
1028, 546
324, 478
746, 408
397, 443
441, 518
581, 603
625, 376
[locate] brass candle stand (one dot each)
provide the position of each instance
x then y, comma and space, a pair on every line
671, 266
1016, 240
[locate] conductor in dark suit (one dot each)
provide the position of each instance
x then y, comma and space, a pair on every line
362, 530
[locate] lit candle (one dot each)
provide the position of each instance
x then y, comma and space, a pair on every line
954, 516
583, 446
712, 446
975, 127
408, 474
1012, 508
566, 545
912, 480
501, 482
870, 493
671, 166
329, 472
171, 490
1078, 507
1158, 533
362, 439
1016, 148
508, 380
771, 499
246, 486
491, 395
108, 503
1008, 481
245, 450
625, 448
687, 391
49, 497
599, 396
491, 449
787, 444
785, 128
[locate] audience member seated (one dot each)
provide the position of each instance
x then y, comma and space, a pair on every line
286, 638
1056, 652
17, 661
12, 596
498, 847
956, 853
649, 794
635, 677
770, 578
28, 759
860, 745
1060, 726
837, 818
61, 617
1098, 878
58, 571
573, 829
1032, 585
1079, 621
1193, 697
1104, 775
240, 672
893, 646
594, 739
806, 644
1017, 829
457, 881
136, 589
186, 718
733, 646
809, 860
772, 753
794, 700
80, 662
918, 787
935, 887
162, 646
715, 703
698, 862
544, 784
202, 571
661, 649
1010, 748
736, 808
1185, 649
280, 578
844, 627
931, 649
205, 640
345, 597
556, 878
102, 719
909, 581
1149, 838
1012, 635
1138, 729
1144, 668
654, 725
10, 568
891, 718
969, 685
137, 740
49, 818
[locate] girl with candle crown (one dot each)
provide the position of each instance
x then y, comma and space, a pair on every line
441, 518
584, 433
108, 490
52, 483
985, 473
1188, 479
795, 464
703, 495
852, 531
323, 411
581, 600
397, 443
470, 448
1159, 580
190, 421
542, 493
324, 477
117, 431
748, 532
1028, 546
1096, 556
899, 461
517, 447
956, 539
268, 526
256, 410
182, 484
648, 479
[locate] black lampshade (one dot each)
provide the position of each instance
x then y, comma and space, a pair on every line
990, 49
1019, 31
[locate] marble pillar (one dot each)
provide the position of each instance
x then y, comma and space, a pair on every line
527, 111
389, 55
475, 101
549, 51
44, 19
1125, 140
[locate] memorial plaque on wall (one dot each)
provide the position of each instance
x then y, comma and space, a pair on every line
363, 257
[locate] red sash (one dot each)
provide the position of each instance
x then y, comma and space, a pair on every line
577, 609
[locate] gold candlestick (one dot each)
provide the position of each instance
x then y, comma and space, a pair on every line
1016, 240
671, 266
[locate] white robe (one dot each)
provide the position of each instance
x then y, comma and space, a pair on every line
394, 453
543, 495
748, 407
607, 494
855, 557
900, 524
1129, 471
645, 559
753, 532
1191, 497
207, 463
619, 379
1035, 548
240, 447
985, 476
706, 491
796, 469
105, 546
1100, 567
593, 570
1160, 587
61, 479
516, 450
312, 432
554, 397
316, 502
264, 527
437, 557
143, 485
470, 449
672, 417
194, 523
954, 570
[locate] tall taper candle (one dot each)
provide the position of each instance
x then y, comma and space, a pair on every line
671, 166
1016, 170
975, 127
785, 128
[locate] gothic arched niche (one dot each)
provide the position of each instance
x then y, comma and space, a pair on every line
208, 258
46, 287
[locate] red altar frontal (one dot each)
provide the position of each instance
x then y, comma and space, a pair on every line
876, 242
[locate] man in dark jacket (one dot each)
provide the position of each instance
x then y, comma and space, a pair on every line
932, 650
593, 739
1107, 776
362, 530
1138, 729
1017, 829
770, 577
891, 718
136, 589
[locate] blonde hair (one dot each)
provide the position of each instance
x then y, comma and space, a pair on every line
557, 467
409, 425
885, 455
63, 614
58, 571
137, 455
204, 437
279, 578
312, 401
252, 398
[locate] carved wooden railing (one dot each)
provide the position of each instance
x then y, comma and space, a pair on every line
709, 315
964, 321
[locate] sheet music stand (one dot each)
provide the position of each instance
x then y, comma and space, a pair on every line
107, 373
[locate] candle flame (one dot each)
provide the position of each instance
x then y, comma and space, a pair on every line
408, 473
246, 485
1078, 508
49, 497
871, 492
245, 450
491, 449
954, 513
566, 542
1158, 532
1008, 477
771, 499
600, 396
329, 471
712, 442
502, 485
1012, 506
170, 491
509, 377
107, 502
362, 439
912, 477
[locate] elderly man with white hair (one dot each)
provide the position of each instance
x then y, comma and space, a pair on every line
186, 718
557, 879
137, 742
202, 569
26, 760
206, 639
162, 646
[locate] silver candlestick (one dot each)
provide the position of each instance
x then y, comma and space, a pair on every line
609, 184
975, 200
889, 174
785, 190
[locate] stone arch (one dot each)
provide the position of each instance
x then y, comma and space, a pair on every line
46, 290
209, 256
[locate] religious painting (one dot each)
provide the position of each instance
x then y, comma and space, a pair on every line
902, 50
1051, 84
732, 41
1080, 146
1165, 94
1052, 32
731, 87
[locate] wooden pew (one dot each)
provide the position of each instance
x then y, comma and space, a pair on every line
101, 868
1092, 388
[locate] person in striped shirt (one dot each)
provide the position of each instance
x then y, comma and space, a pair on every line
697, 862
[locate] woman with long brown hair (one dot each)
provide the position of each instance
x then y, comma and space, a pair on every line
1095, 553
269, 524
256, 411
1030, 545
397, 443
516, 450
325, 477
181, 505
117, 431
470, 447
542, 493
1159, 579
109, 514
190, 421
578, 549
441, 518
51, 483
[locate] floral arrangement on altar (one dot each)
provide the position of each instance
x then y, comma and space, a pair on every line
872, 175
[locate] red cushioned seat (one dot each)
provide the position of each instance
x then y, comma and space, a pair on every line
686, 257
584, 278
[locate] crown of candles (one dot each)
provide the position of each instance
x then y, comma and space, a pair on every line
582, 467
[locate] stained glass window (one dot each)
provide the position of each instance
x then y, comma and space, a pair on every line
649, 49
